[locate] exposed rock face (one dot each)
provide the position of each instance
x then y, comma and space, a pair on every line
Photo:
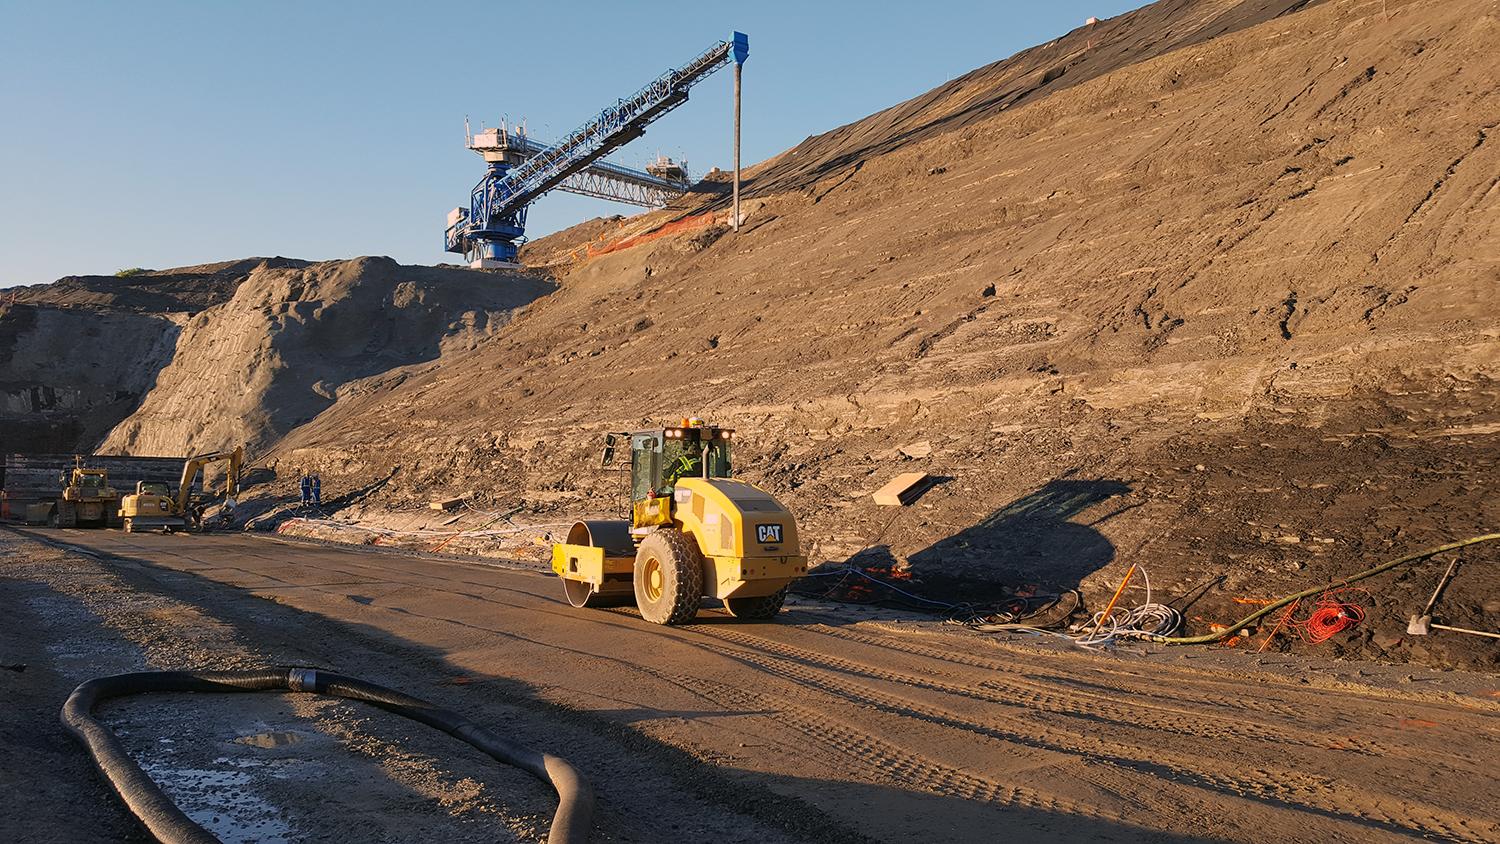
72, 373
77, 355
291, 340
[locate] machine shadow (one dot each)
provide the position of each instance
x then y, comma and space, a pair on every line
1036, 540
606, 743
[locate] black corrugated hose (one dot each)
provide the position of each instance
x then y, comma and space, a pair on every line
570, 824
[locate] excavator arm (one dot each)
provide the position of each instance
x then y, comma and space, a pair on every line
195, 464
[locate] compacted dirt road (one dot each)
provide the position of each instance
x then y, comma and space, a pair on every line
832, 724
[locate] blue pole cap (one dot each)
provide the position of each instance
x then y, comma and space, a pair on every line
741, 43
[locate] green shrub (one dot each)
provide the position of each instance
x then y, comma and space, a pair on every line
127, 273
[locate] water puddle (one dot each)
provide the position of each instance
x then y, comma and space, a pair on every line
267, 740
221, 801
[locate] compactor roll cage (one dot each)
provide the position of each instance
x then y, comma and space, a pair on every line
659, 457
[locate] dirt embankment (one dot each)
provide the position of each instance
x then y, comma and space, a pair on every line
77, 355
1082, 55
292, 340
239, 352
1207, 287
1271, 254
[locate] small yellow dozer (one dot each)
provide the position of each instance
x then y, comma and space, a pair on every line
693, 532
87, 499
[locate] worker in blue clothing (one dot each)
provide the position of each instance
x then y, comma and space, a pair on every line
317, 490
306, 485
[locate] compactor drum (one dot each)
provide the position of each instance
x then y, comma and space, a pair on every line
693, 531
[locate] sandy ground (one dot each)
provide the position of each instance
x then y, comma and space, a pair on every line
832, 724
1207, 288
1225, 311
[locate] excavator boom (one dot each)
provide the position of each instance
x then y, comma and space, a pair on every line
195, 464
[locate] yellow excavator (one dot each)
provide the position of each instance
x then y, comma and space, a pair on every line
152, 504
693, 532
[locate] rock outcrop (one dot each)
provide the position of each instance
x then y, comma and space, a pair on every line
292, 340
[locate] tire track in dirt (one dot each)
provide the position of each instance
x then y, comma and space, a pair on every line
1270, 784
1042, 696
1215, 688
885, 763
951, 722
1190, 691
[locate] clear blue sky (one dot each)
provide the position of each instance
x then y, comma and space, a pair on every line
161, 134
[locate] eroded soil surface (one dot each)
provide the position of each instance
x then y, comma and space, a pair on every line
832, 724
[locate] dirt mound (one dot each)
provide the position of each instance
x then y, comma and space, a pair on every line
559, 248
293, 338
178, 290
1209, 287
77, 355
1224, 309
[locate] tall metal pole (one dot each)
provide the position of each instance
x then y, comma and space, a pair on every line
741, 51
738, 67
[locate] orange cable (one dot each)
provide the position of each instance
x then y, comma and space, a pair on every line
1291, 608
1118, 592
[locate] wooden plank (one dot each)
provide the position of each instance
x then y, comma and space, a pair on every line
446, 503
902, 489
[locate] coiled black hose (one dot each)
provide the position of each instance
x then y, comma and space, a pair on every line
570, 824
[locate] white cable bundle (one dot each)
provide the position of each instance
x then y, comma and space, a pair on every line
1148, 619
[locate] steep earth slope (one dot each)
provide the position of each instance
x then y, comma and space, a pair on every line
77, 355
1226, 310
1086, 53
291, 340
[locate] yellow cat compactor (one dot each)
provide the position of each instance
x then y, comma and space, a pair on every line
693, 531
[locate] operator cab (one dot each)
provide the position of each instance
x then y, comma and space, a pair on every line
153, 488
659, 458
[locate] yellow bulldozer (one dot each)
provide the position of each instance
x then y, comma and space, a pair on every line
87, 499
153, 506
693, 532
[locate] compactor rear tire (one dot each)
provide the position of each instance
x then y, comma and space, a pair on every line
756, 609
668, 577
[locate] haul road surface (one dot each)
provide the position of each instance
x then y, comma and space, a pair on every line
831, 724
